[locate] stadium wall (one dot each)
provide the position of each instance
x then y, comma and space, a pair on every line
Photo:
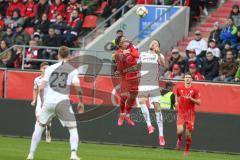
213, 132
216, 97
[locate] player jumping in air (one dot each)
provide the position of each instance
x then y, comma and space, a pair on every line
126, 66
186, 98
149, 87
55, 101
36, 98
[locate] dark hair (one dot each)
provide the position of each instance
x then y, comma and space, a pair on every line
157, 42
44, 64
63, 52
188, 73
234, 6
119, 31
117, 41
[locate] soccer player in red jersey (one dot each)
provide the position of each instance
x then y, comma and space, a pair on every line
186, 98
126, 66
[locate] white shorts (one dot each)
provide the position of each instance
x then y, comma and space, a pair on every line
62, 110
38, 109
151, 91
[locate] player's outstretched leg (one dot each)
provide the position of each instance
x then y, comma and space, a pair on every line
146, 115
74, 143
36, 137
179, 134
129, 103
48, 133
159, 119
188, 142
122, 111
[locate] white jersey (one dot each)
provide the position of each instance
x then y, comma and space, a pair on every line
37, 83
149, 68
59, 78
199, 46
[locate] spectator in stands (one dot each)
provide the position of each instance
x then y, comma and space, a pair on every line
203, 4
2, 23
21, 37
56, 8
227, 69
111, 8
51, 40
114, 45
237, 75
5, 57
198, 44
194, 8
197, 76
3, 7
225, 49
177, 59
215, 34
42, 7
88, 7
236, 46
72, 5
17, 57
213, 48
193, 59
14, 20
176, 73
33, 52
43, 25
1, 33
60, 25
8, 36
228, 33
31, 9
37, 38
210, 66
15, 4
73, 28
235, 14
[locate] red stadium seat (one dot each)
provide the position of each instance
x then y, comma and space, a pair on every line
101, 8
29, 30
90, 21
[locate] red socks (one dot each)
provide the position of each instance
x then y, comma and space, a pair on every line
188, 143
179, 136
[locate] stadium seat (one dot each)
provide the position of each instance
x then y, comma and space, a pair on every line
90, 22
29, 30
101, 8
207, 24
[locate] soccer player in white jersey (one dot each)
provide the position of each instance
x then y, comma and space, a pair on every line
149, 86
55, 101
36, 98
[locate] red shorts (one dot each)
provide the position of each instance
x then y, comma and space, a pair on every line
186, 119
129, 87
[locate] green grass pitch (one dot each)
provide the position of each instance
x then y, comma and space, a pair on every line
17, 149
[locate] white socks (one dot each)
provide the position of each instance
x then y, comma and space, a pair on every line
73, 139
146, 114
36, 137
159, 119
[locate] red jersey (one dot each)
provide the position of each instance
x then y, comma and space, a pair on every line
55, 10
13, 6
125, 61
198, 76
186, 105
31, 9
